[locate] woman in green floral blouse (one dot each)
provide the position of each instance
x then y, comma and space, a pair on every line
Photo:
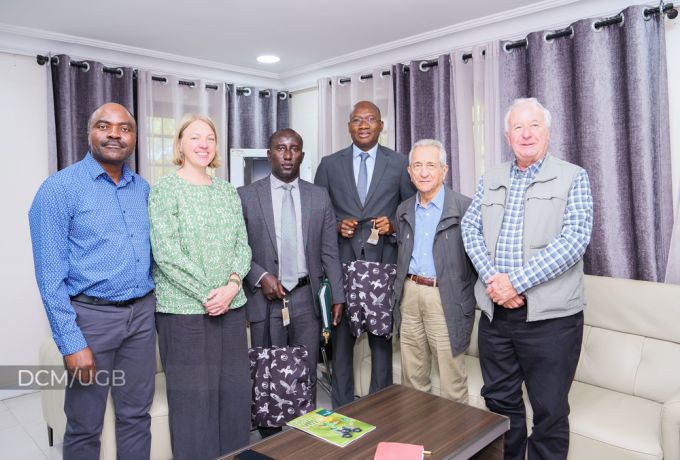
201, 252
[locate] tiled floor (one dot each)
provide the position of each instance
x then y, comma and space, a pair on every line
23, 433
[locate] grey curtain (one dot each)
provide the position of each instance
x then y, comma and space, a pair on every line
608, 95
254, 115
425, 109
76, 93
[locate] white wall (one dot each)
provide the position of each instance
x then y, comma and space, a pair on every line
304, 118
23, 130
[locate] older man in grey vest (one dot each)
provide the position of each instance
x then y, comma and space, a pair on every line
526, 232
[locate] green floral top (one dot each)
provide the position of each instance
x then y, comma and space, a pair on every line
198, 238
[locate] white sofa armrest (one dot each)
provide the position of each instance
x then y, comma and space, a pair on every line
670, 427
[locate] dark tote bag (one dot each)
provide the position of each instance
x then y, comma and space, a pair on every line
368, 288
281, 384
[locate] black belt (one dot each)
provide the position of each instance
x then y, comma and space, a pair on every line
304, 281
88, 299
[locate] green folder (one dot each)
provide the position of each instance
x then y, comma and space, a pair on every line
326, 309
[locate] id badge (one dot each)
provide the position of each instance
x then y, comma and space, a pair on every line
375, 236
285, 314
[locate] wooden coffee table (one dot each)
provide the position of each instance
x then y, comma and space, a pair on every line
449, 430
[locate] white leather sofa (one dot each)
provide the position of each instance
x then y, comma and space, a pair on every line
53, 412
625, 398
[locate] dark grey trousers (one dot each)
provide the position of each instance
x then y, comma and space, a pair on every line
207, 372
123, 341
342, 383
542, 354
304, 328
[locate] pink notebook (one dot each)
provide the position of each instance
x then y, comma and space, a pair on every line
398, 451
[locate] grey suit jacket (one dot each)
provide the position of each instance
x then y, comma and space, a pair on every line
318, 235
390, 185
456, 275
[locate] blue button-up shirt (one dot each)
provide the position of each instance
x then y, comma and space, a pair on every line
427, 219
370, 162
89, 236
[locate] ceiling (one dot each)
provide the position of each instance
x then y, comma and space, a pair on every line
234, 32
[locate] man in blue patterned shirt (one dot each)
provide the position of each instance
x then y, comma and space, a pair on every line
90, 235
526, 232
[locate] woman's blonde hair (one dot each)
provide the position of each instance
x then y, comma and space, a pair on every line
177, 155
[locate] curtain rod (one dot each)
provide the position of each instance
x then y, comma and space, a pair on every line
668, 9
384, 73
54, 60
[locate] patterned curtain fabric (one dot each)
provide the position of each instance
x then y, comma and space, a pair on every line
76, 93
254, 114
162, 104
338, 94
425, 108
606, 88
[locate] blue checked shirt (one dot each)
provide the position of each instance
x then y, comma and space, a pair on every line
556, 258
89, 236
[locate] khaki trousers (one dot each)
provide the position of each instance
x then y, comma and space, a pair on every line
423, 335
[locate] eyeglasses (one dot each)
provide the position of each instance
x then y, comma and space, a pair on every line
357, 121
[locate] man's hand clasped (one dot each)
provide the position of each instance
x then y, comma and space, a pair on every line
500, 291
348, 227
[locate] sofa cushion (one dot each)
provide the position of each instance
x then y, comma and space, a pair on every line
636, 364
602, 416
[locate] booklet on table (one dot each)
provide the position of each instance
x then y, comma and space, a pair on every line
331, 426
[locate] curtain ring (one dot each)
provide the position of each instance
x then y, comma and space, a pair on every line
623, 19
423, 69
120, 73
246, 92
54, 60
87, 67
509, 50
266, 93
340, 83
389, 72
283, 95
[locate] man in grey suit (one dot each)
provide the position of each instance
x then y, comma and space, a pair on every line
434, 286
366, 183
291, 232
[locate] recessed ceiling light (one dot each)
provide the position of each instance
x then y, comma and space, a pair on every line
268, 59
